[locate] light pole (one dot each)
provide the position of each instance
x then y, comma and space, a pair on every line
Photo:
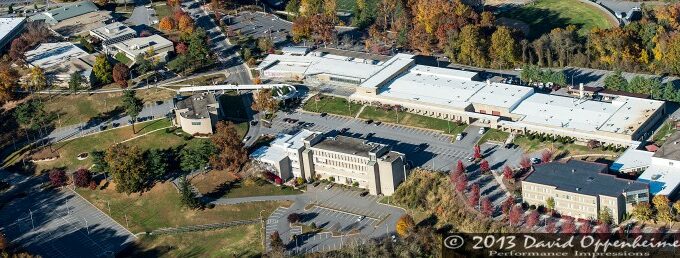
31, 213
86, 226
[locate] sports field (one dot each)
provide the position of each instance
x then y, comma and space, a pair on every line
545, 15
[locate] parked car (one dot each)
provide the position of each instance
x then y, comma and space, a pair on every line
329, 186
482, 130
246, 139
360, 218
369, 121
364, 193
253, 123
377, 123
535, 160
324, 114
459, 137
510, 146
470, 159
344, 130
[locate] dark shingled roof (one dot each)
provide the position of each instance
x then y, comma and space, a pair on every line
582, 177
670, 149
349, 145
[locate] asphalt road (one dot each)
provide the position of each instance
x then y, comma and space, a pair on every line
57, 223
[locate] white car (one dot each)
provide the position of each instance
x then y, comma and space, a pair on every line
482, 130
329, 186
459, 137
360, 218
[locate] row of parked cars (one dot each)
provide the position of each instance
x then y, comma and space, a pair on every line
298, 122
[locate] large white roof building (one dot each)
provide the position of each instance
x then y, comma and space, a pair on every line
9, 29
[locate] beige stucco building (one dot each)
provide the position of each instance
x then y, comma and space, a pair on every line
582, 189
348, 160
341, 159
197, 114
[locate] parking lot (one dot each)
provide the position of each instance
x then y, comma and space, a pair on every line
354, 217
260, 25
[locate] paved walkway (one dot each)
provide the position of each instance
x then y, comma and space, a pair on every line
228, 201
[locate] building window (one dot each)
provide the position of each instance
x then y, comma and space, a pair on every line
195, 123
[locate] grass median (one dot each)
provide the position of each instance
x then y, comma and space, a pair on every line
411, 119
332, 105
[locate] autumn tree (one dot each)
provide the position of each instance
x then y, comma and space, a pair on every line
473, 198
605, 216
550, 203
568, 227
503, 48
132, 106
515, 215
461, 184
487, 207
532, 219
102, 69
477, 152
82, 177
405, 225
546, 156
185, 24
37, 80
472, 46
231, 153
642, 211
9, 78
550, 227
525, 163
293, 218
276, 244
167, 24
58, 177
507, 173
585, 228
301, 29
121, 75
663, 208
265, 102
323, 29
507, 205
126, 166
484, 166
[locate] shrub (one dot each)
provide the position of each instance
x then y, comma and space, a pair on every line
57, 177
82, 177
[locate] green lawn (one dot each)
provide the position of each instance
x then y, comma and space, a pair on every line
162, 10
160, 207
663, 132
332, 105
494, 135
560, 148
121, 57
68, 150
544, 15
410, 119
259, 188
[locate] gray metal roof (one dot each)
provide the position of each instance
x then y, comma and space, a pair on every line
670, 149
65, 12
582, 177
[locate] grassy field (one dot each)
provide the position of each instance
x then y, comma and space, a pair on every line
79, 108
560, 149
494, 135
120, 57
544, 15
332, 105
240, 241
410, 119
160, 207
663, 132
222, 184
68, 150
162, 10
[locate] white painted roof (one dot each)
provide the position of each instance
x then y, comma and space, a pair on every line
453, 88
661, 179
278, 148
113, 30
50, 54
622, 116
136, 46
632, 158
8, 24
269, 154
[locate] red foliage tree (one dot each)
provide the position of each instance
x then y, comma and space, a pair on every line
181, 48
293, 217
454, 177
120, 74
525, 163
515, 215
82, 177
460, 167
568, 227
635, 232
57, 177
546, 156
550, 227
585, 228
461, 184
603, 231
474, 196
507, 173
144, 34
487, 207
532, 219
484, 166
92, 185
478, 152
278, 181
507, 205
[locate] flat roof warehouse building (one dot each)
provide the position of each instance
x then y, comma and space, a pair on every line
457, 95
